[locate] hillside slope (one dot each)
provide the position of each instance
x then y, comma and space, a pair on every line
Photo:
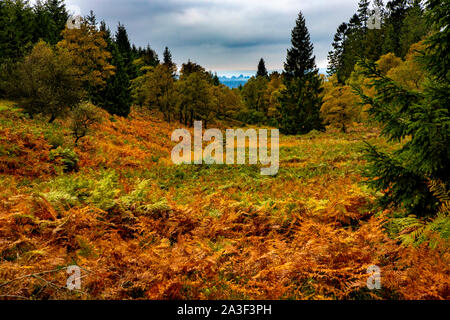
142, 228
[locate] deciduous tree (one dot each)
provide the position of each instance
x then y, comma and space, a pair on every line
89, 54
46, 82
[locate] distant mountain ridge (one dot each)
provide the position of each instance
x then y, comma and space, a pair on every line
233, 81
236, 81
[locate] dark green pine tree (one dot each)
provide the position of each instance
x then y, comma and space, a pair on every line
116, 96
215, 80
414, 27
16, 29
149, 56
123, 45
354, 47
373, 47
396, 14
364, 12
167, 57
301, 100
50, 18
421, 120
59, 15
262, 71
167, 61
336, 56
122, 41
300, 59
91, 19
42, 21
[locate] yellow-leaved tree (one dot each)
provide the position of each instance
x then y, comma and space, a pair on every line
409, 73
88, 49
340, 106
272, 96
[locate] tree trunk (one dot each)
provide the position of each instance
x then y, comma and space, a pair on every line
52, 118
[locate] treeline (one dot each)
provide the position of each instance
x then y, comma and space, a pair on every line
194, 94
104, 68
375, 30
22, 25
300, 100
50, 69
42, 59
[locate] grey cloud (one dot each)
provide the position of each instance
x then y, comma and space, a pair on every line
223, 34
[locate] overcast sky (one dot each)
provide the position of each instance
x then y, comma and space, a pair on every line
222, 35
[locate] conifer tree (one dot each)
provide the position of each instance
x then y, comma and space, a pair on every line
115, 97
16, 29
364, 12
396, 11
59, 15
421, 117
262, 71
335, 57
50, 18
300, 59
122, 41
117, 94
167, 61
124, 46
215, 79
149, 56
301, 100
414, 28
167, 56
91, 19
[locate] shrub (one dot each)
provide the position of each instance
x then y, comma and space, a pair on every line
67, 157
137, 196
69, 190
55, 136
83, 117
105, 192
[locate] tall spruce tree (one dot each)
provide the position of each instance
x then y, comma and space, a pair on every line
16, 29
396, 14
124, 46
364, 12
91, 19
301, 100
336, 56
149, 56
414, 28
168, 62
116, 96
59, 15
50, 19
167, 56
42, 21
262, 71
421, 120
300, 59
122, 41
